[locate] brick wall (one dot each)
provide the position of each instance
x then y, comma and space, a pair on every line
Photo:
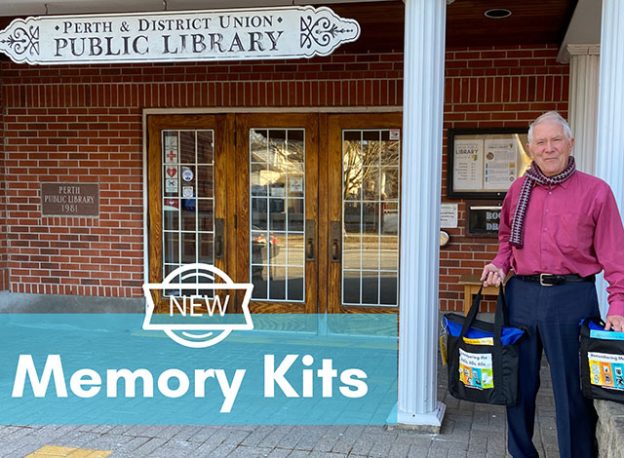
83, 124
492, 88
4, 272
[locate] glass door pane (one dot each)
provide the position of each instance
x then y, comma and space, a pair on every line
277, 172
277, 215
187, 212
188, 197
370, 203
363, 199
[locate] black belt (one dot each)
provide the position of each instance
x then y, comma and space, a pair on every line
551, 279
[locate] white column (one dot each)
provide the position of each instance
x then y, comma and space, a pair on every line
583, 103
610, 141
423, 96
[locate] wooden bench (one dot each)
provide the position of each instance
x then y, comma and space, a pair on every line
471, 288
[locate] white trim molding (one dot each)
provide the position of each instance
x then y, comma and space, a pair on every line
583, 103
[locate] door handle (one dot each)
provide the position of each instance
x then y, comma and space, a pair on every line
219, 229
310, 234
336, 241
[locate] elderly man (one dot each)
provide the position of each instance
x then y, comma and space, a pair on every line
559, 227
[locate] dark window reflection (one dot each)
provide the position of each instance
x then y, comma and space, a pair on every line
388, 289
205, 147
187, 147
171, 248
370, 291
259, 280
206, 248
189, 245
351, 287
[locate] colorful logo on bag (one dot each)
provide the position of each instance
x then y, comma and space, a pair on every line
475, 370
607, 370
197, 297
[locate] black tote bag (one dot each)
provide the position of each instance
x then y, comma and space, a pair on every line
483, 357
602, 361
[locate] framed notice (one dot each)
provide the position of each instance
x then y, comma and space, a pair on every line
482, 163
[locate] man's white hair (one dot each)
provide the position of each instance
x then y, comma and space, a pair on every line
551, 116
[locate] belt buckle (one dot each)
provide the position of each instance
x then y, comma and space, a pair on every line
541, 280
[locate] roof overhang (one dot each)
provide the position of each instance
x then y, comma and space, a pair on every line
42, 7
583, 31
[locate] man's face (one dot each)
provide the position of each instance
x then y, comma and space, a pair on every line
550, 148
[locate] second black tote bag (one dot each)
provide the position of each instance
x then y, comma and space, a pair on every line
602, 361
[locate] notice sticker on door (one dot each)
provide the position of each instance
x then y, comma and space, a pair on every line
171, 205
295, 184
187, 174
171, 149
171, 185
395, 134
187, 192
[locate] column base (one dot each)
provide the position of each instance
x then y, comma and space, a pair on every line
430, 422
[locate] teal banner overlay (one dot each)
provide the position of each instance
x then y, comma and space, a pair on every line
106, 369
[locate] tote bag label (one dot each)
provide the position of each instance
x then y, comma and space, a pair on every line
475, 370
606, 370
479, 341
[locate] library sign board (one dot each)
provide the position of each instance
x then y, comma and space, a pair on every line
237, 34
484, 162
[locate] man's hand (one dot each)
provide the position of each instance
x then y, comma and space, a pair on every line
615, 322
493, 276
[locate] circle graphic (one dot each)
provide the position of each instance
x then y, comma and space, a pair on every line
186, 330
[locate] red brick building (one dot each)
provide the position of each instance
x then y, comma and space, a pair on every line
287, 173
86, 124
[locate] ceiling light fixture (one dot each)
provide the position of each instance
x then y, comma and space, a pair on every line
497, 13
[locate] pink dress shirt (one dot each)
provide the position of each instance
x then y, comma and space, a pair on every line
570, 228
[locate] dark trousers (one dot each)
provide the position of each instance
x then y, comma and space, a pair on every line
551, 314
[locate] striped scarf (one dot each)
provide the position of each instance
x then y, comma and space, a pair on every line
532, 177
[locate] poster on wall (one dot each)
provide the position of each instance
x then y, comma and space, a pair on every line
483, 163
468, 164
501, 163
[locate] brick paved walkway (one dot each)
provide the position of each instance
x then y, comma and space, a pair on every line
469, 430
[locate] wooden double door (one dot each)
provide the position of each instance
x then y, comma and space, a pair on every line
304, 206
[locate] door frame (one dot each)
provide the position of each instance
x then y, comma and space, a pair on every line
323, 271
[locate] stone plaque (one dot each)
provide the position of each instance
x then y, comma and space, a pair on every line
70, 199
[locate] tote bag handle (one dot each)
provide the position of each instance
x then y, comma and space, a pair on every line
500, 317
